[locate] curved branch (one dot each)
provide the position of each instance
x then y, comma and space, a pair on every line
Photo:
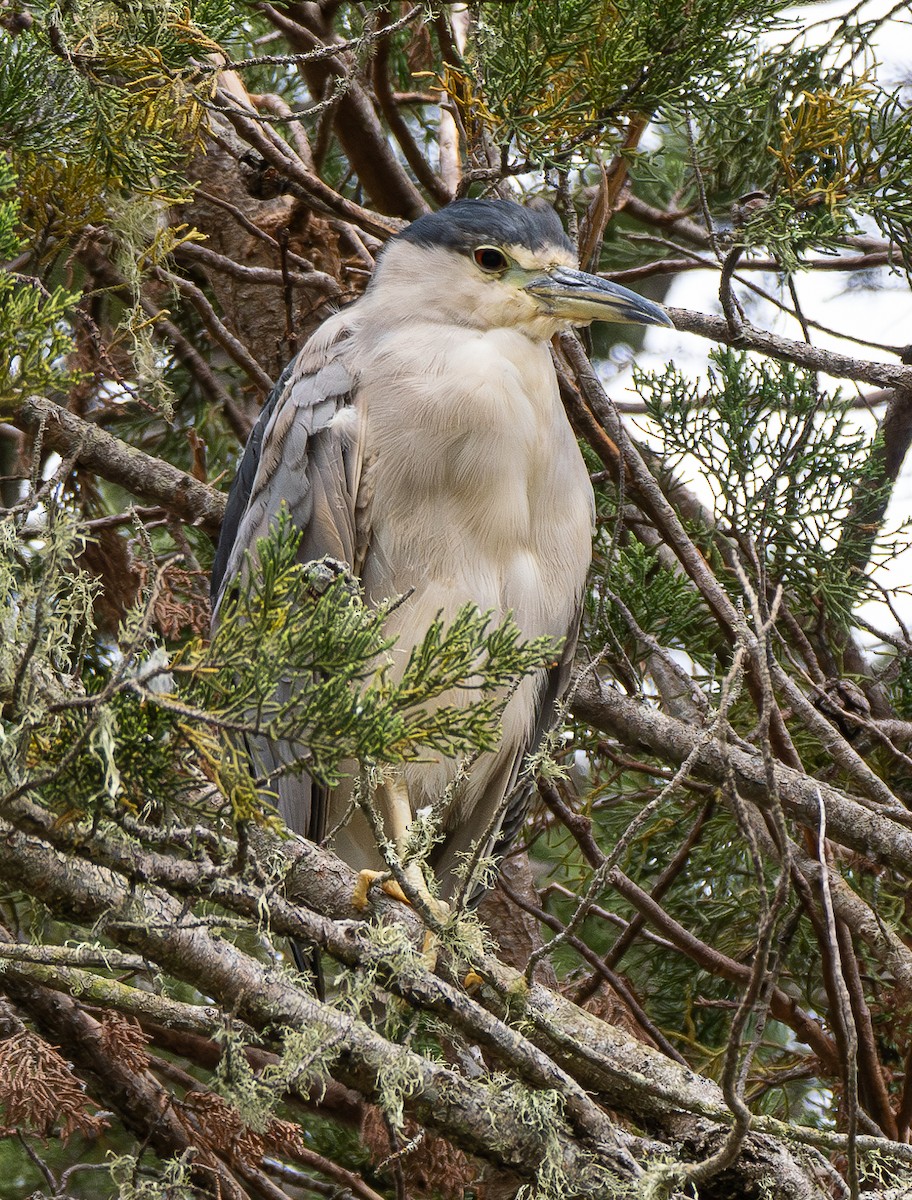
424, 173
468, 1112
874, 832
748, 337
301, 182
362, 136
142, 475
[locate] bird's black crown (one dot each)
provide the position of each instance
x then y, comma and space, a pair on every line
465, 224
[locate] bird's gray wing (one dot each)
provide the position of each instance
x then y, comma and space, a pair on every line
300, 455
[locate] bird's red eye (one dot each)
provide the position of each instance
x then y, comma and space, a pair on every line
489, 258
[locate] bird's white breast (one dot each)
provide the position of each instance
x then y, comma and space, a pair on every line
480, 494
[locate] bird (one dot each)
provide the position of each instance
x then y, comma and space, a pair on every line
419, 438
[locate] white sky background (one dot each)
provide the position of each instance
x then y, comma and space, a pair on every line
882, 313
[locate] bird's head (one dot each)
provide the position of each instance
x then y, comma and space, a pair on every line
495, 264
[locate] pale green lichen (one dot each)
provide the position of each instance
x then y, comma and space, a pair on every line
397, 1080
304, 1065
543, 1112
173, 1182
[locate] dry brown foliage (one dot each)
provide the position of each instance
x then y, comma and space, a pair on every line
38, 1091
124, 1040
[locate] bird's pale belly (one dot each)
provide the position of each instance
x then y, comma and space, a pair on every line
465, 563
493, 510
460, 533
485, 572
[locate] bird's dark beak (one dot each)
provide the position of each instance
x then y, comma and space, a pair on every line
580, 298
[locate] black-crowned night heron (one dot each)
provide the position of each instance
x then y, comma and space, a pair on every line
419, 438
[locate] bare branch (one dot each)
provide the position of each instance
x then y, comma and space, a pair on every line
146, 477
813, 358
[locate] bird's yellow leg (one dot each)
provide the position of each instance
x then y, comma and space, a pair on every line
366, 879
396, 808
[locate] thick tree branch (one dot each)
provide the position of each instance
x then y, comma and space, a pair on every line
359, 130
842, 366
302, 182
149, 478
678, 266
399, 127
874, 832
598, 1056
469, 1113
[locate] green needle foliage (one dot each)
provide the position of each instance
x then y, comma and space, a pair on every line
785, 476
35, 335
35, 338
338, 694
842, 152
291, 659
119, 107
659, 598
121, 96
552, 81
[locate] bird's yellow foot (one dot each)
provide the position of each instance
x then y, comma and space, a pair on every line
367, 879
430, 950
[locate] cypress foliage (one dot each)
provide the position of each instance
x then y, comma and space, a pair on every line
709, 980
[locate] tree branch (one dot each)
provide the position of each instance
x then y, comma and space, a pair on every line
874, 832
813, 358
149, 478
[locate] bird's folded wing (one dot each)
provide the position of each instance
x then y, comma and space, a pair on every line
304, 454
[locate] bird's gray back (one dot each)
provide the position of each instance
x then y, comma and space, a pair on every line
299, 455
